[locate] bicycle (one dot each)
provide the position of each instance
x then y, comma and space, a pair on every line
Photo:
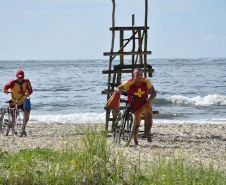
13, 118
124, 126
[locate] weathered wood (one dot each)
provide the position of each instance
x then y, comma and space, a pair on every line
129, 39
114, 84
112, 43
113, 26
121, 46
128, 53
130, 66
129, 28
146, 13
123, 107
107, 91
125, 71
121, 49
140, 47
146, 36
134, 39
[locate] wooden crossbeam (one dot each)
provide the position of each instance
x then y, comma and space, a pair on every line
123, 107
128, 53
130, 66
125, 71
129, 28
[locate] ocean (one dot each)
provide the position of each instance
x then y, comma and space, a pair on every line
69, 91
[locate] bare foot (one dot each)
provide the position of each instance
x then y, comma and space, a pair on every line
149, 140
135, 141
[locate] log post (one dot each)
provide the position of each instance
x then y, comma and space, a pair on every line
145, 35
134, 43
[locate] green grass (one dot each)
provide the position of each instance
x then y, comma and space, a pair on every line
92, 161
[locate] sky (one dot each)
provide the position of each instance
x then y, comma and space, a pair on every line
79, 29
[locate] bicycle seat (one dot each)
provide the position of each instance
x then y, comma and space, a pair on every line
10, 101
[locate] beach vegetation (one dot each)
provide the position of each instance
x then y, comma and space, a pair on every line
92, 160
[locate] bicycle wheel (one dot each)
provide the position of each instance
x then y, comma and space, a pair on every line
5, 123
19, 123
115, 129
126, 134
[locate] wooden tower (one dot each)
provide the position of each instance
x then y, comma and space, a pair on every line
138, 55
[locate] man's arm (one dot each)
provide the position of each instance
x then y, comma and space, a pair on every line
29, 89
153, 94
6, 87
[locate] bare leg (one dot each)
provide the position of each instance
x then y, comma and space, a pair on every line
135, 134
148, 117
138, 119
27, 114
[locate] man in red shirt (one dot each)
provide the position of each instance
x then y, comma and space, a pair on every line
19, 86
141, 87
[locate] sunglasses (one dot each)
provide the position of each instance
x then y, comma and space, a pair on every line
21, 77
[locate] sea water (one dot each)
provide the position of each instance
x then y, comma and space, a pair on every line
69, 91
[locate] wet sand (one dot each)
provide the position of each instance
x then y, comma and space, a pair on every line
205, 142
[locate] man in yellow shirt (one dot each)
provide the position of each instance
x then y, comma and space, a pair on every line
140, 86
19, 86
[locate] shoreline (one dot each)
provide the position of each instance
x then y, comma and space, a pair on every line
205, 142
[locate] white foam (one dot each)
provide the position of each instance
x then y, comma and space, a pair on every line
70, 118
199, 121
198, 100
100, 118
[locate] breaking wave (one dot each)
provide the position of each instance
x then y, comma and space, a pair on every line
215, 99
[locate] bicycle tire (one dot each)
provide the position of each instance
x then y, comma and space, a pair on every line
126, 134
19, 124
115, 129
5, 123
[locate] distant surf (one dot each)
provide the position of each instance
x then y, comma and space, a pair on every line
215, 99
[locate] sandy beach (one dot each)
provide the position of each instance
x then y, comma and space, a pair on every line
205, 142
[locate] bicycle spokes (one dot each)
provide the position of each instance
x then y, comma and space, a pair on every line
19, 124
123, 134
5, 123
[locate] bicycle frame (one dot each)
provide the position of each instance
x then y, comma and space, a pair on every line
129, 108
13, 118
16, 107
127, 111
124, 126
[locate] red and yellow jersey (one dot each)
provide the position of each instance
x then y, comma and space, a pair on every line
139, 90
18, 89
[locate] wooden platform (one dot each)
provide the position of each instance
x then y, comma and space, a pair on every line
128, 53
129, 28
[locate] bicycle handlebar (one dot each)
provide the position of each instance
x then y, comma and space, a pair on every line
133, 95
19, 98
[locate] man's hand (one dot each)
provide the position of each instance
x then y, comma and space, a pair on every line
6, 91
148, 100
27, 94
153, 94
119, 89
